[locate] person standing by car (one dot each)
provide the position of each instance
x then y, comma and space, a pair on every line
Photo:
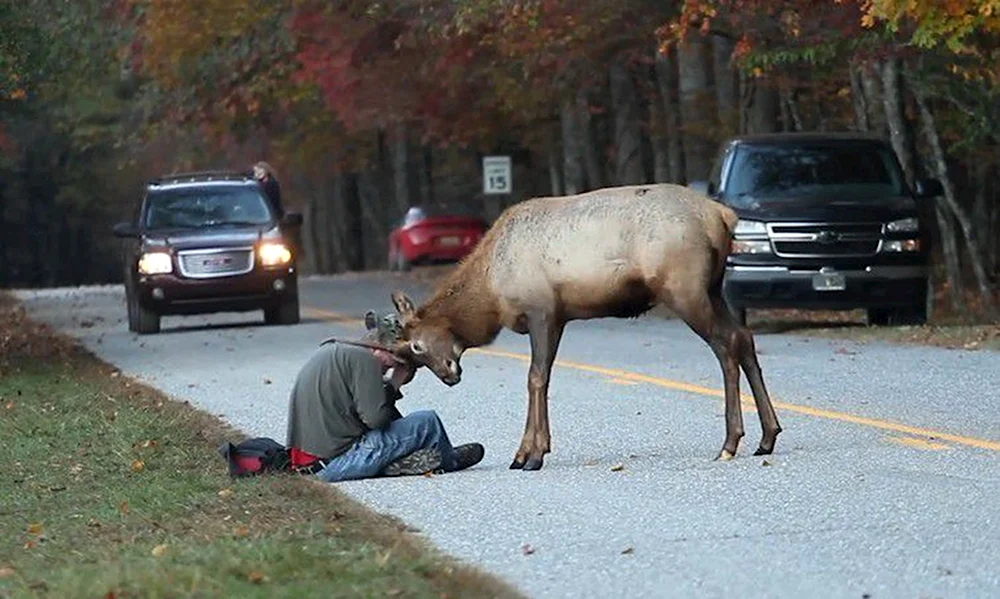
343, 423
268, 179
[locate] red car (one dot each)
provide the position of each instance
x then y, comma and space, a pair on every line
426, 239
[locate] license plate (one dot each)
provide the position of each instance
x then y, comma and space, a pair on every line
449, 241
829, 281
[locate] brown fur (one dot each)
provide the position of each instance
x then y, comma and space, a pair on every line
613, 252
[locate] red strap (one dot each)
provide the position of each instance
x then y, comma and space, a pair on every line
301, 458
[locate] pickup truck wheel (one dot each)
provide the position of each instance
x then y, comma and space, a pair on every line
287, 312
142, 320
914, 315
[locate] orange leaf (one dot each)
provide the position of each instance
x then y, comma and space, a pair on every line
257, 577
138, 466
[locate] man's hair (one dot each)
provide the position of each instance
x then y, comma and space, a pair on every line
383, 329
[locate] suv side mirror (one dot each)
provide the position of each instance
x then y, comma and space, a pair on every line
928, 188
292, 219
126, 229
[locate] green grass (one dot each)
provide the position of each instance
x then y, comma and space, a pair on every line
109, 489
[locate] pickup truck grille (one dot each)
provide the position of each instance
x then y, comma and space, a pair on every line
814, 240
219, 262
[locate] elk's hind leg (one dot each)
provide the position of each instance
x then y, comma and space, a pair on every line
747, 352
545, 330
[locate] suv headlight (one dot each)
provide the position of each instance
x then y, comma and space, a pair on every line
750, 227
904, 225
155, 263
274, 254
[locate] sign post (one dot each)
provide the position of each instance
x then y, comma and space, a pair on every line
497, 181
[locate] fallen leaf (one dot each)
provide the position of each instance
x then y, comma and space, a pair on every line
844, 351
159, 550
394, 592
242, 531
267, 381
7, 572
138, 466
618, 468
149, 443
35, 528
9, 405
765, 463
31, 544
628, 551
527, 549
257, 577
123, 508
226, 493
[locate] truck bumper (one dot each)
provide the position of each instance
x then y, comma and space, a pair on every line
783, 287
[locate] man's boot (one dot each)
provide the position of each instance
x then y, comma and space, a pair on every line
419, 462
468, 455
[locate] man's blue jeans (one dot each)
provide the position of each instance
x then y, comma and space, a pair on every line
379, 448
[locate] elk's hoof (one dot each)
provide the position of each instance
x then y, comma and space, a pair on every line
516, 464
724, 456
533, 464
763, 451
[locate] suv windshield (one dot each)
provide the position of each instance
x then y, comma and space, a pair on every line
196, 207
856, 170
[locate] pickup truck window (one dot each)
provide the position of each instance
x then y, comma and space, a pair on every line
775, 171
205, 207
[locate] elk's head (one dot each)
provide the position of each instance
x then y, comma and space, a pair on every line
429, 341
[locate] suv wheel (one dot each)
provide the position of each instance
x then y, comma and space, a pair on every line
141, 320
287, 312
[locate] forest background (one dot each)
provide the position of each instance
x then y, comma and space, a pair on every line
368, 107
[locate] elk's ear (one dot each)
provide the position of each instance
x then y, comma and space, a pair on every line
370, 322
404, 305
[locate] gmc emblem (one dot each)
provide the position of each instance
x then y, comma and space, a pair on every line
827, 237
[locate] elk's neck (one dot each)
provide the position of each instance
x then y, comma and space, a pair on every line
468, 304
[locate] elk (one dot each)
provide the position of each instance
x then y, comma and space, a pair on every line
612, 252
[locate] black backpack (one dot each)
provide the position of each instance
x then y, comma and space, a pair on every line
255, 456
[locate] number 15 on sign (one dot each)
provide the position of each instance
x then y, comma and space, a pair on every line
496, 174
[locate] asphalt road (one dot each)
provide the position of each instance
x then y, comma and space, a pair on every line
884, 483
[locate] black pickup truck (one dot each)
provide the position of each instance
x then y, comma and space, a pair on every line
827, 221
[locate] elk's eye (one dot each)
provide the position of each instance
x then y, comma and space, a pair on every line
417, 347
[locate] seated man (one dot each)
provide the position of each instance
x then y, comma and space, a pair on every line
342, 419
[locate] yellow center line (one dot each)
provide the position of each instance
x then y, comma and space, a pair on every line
919, 443
635, 377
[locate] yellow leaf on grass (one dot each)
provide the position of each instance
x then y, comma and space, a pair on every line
138, 466
35, 528
159, 550
226, 493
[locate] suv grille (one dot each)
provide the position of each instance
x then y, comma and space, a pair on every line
223, 262
825, 239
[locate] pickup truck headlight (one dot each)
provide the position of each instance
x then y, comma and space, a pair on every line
901, 245
155, 263
751, 246
904, 225
750, 227
274, 254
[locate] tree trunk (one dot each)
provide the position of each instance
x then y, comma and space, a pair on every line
591, 156
899, 132
426, 177
353, 248
975, 253
666, 77
625, 106
759, 113
574, 174
697, 106
860, 102
952, 265
555, 168
874, 100
310, 246
726, 84
401, 170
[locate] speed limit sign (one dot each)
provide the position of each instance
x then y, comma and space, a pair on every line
496, 175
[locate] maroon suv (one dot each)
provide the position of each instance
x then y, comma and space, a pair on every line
209, 242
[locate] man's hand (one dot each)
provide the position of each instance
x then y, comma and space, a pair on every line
402, 374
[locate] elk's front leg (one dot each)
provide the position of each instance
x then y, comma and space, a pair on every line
545, 331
